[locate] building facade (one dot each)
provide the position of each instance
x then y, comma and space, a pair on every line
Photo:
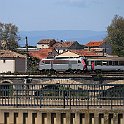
61, 47
46, 43
101, 47
12, 62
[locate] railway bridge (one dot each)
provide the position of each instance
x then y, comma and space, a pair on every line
70, 99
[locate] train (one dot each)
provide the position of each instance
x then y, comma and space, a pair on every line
81, 64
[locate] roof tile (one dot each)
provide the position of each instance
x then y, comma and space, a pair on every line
84, 53
94, 43
46, 41
66, 44
10, 54
42, 53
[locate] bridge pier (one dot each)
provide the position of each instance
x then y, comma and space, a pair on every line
1, 117
58, 118
62, 116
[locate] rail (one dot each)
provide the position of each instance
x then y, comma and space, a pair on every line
62, 95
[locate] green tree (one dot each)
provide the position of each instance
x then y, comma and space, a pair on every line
116, 35
33, 64
8, 36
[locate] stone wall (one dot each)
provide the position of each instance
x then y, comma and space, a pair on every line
61, 116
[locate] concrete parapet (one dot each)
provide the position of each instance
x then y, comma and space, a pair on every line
61, 116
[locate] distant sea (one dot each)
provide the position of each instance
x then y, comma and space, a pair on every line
82, 36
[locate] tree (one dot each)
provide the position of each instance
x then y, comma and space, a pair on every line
33, 64
8, 36
116, 35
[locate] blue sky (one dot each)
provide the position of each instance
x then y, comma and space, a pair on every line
32, 15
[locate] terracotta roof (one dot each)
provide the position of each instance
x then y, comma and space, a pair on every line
65, 44
42, 53
94, 43
46, 41
10, 54
84, 53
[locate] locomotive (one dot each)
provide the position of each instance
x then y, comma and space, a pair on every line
71, 65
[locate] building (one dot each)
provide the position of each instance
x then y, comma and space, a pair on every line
43, 53
63, 46
101, 47
12, 62
77, 53
46, 43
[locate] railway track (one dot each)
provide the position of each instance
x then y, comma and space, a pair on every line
87, 75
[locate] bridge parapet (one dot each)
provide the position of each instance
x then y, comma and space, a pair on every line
61, 116
62, 95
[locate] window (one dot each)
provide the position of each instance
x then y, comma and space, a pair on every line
98, 63
79, 61
121, 63
110, 63
104, 63
4, 61
47, 62
115, 62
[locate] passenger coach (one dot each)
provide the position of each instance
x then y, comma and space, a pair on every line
106, 64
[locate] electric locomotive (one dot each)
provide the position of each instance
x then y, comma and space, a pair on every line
70, 65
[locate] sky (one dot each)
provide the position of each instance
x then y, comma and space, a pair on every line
37, 15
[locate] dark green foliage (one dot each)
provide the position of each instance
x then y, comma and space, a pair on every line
8, 36
32, 64
116, 92
116, 35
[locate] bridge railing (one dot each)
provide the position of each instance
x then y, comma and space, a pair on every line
62, 95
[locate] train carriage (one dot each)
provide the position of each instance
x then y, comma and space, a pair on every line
106, 64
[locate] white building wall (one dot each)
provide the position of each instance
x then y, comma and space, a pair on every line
60, 51
7, 65
42, 46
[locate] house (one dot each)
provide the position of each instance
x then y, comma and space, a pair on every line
63, 46
67, 54
46, 43
43, 53
77, 53
86, 53
12, 62
101, 47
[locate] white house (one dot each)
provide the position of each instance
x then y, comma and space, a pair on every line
12, 62
46, 43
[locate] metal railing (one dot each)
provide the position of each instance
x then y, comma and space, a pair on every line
62, 95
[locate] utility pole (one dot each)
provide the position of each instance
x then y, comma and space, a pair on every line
26, 45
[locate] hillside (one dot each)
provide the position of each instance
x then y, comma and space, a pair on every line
82, 36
